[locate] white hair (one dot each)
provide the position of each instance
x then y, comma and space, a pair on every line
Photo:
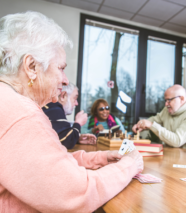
69, 88
28, 33
68, 105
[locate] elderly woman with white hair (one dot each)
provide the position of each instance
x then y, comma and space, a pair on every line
37, 173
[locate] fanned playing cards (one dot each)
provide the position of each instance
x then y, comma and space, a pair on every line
147, 178
126, 147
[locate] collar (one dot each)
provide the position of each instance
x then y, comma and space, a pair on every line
181, 110
51, 105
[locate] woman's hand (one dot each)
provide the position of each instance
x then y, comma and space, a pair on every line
138, 160
113, 156
87, 139
98, 128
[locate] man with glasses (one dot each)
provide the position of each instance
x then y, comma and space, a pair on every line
69, 134
170, 124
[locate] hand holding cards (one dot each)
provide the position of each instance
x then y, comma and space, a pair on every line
126, 147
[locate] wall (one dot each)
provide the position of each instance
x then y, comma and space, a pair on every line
68, 18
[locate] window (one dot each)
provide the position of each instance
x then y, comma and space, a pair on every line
109, 55
160, 72
184, 66
142, 63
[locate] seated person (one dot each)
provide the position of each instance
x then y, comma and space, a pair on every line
37, 173
170, 124
101, 118
56, 112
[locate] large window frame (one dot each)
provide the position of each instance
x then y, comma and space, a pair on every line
141, 63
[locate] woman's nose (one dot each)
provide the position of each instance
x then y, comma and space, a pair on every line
65, 80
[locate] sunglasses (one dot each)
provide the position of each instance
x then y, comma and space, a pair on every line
102, 108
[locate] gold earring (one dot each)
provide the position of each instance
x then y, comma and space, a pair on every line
30, 83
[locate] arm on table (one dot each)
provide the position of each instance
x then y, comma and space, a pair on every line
87, 139
175, 139
146, 124
54, 181
68, 135
71, 136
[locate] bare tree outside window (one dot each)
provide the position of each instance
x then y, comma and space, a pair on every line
109, 55
160, 73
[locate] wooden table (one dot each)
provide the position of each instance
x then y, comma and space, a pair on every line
169, 196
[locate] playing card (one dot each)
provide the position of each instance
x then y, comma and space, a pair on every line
179, 166
132, 147
126, 147
184, 179
147, 178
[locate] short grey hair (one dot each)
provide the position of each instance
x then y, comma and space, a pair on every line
69, 88
28, 33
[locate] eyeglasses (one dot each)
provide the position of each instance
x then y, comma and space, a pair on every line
102, 108
170, 99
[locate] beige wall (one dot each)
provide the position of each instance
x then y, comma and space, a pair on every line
68, 18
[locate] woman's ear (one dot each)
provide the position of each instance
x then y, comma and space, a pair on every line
29, 65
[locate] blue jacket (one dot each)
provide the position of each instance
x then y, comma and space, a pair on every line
68, 135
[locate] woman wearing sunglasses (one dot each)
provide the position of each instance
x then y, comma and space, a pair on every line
101, 118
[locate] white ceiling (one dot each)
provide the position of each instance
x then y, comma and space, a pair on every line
166, 14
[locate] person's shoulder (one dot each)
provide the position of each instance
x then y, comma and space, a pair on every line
54, 111
15, 104
52, 106
114, 117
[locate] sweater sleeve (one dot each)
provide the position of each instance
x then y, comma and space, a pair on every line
91, 160
68, 135
40, 172
157, 118
175, 139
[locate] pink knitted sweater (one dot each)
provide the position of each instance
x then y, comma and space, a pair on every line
37, 174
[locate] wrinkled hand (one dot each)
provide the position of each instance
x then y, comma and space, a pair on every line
138, 160
81, 118
113, 156
142, 125
98, 128
135, 128
87, 139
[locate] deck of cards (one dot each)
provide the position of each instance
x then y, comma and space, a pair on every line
126, 147
147, 178
179, 166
